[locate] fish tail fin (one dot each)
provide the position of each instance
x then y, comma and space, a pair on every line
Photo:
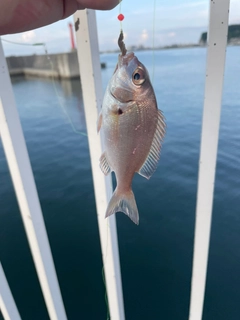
124, 202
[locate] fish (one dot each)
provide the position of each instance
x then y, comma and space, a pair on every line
133, 130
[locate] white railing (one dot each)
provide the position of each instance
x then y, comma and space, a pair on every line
217, 41
22, 176
7, 304
90, 70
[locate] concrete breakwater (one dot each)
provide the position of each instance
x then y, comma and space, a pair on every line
61, 65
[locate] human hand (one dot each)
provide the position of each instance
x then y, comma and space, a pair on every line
22, 15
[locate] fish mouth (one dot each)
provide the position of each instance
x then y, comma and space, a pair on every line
119, 99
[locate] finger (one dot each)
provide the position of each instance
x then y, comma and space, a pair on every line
70, 6
99, 5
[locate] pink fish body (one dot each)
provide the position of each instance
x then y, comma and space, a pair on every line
133, 130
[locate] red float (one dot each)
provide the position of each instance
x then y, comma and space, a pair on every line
120, 17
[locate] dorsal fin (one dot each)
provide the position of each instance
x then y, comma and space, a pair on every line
151, 162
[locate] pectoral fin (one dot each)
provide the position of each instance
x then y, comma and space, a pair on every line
104, 165
99, 122
150, 164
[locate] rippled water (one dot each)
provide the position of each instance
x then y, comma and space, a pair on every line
156, 256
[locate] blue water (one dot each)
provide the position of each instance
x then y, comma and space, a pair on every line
156, 256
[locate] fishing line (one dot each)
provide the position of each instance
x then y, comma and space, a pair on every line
153, 39
103, 273
120, 16
52, 80
60, 98
106, 297
24, 44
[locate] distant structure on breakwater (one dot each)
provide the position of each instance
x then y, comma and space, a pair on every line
59, 66
233, 35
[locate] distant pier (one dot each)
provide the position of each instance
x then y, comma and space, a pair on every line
60, 66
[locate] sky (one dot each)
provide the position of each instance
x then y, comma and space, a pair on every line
147, 22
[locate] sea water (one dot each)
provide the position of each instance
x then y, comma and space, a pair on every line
156, 256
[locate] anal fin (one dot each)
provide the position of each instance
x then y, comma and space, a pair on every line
104, 165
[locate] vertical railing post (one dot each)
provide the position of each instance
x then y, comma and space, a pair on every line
22, 176
7, 304
90, 72
217, 40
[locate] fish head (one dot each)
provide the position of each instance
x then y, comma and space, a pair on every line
130, 81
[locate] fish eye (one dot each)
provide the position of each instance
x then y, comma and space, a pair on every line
138, 76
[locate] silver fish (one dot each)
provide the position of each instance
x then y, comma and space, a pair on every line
133, 130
